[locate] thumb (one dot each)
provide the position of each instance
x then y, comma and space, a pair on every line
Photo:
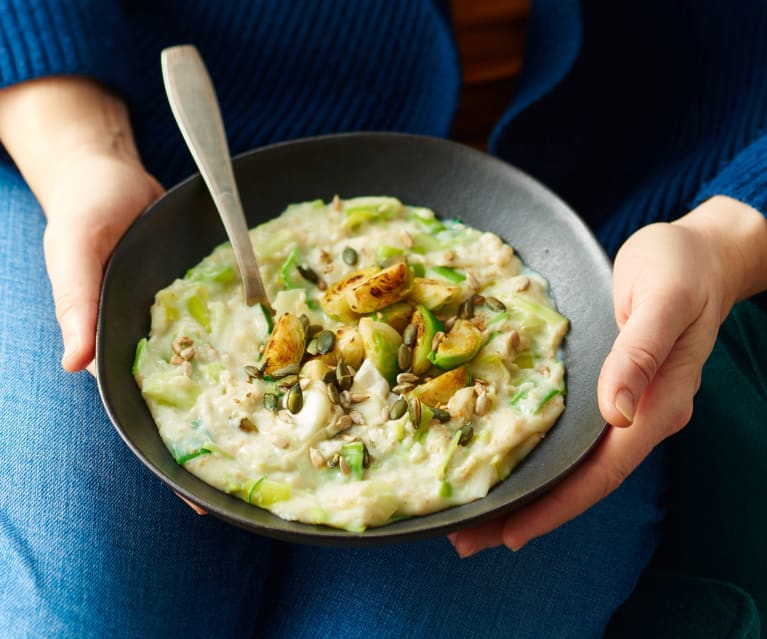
75, 272
643, 344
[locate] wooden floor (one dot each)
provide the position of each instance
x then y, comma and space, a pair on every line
491, 38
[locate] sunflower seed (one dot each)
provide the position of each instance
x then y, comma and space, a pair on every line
181, 343
343, 423
410, 334
358, 398
407, 378
404, 357
401, 389
356, 417
466, 309
414, 411
494, 304
438, 337
482, 404
317, 458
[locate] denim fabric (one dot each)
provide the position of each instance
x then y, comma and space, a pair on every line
93, 545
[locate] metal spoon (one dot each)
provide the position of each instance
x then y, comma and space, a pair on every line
194, 105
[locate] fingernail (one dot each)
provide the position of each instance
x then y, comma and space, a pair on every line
71, 346
624, 404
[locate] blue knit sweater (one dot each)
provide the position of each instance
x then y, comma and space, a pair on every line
632, 112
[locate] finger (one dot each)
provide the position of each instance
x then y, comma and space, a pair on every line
643, 344
75, 275
191, 505
471, 540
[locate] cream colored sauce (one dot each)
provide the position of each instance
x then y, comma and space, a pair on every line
211, 413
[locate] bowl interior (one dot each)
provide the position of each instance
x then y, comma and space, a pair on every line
455, 181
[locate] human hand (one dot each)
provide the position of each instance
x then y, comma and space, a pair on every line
673, 285
72, 141
90, 203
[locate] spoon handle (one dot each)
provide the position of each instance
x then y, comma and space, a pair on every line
194, 104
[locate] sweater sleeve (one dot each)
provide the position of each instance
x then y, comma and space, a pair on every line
51, 37
743, 178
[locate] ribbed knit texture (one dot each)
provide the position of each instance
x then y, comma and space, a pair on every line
625, 109
48, 37
663, 97
282, 69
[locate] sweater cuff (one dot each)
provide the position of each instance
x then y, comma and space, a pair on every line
744, 178
71, 37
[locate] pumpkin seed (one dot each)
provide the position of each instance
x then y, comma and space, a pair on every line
333, 394
478, 300
442, 415
398, 408
365, 456
253, 372
271, 402
295, 399
308, 274
305, 323
494, 304
404, 357
467, 432
349, 256
344, 376
326, 341
285, 371
313, 330
287, 381
329, 377
313, 347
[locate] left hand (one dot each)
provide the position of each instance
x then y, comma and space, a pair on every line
673, 285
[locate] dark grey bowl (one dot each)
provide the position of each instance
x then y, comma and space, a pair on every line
455, 181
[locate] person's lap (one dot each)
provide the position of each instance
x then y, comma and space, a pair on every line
94, 545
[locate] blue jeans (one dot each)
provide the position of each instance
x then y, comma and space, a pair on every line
93, 545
